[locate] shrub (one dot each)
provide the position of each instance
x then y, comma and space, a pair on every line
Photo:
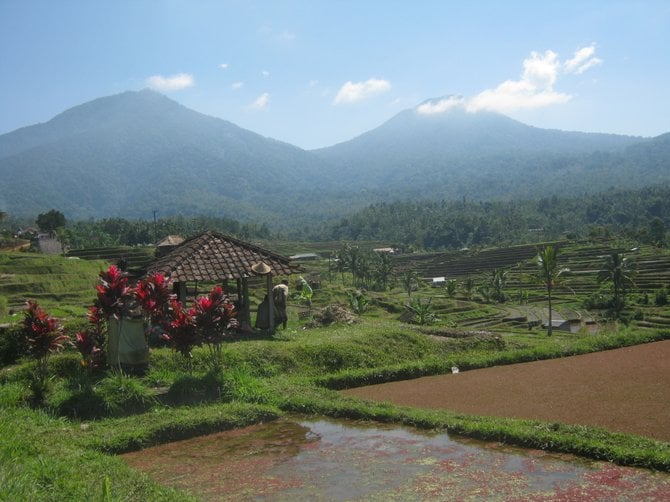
123, 395
44, 336
358, 302
422, 311
13, 345
661, 297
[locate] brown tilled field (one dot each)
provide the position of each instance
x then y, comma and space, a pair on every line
622, 390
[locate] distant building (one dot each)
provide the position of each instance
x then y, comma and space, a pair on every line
304, 257
167, 244
48, 245
384, 250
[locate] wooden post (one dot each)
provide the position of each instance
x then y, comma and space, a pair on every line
271, 306
245, 304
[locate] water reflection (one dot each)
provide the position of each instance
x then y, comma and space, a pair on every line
345, 460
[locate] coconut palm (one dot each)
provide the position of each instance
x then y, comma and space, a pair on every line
549, 273
618, 270
410, 281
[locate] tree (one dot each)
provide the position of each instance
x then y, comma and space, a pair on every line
549, 273
383, 269
498, 283
617, 270
50, 221
410, 281
656, 232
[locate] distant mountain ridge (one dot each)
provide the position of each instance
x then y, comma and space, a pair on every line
129, 154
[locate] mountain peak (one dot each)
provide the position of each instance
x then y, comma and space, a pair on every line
443, 104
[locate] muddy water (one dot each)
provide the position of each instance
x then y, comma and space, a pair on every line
345, 460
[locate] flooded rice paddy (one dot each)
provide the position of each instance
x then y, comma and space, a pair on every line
307, 459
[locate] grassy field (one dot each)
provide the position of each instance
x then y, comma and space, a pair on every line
62, 448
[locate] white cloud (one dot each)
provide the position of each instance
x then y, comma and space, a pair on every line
237, 85
173, 83
224, 66
535, 89
582, 60
352, 92
440, 106
265, 73
313, 83
261, 101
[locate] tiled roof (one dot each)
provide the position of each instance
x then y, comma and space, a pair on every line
212, 256
170, 240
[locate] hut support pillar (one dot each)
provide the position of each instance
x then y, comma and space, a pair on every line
271, 306
244, 299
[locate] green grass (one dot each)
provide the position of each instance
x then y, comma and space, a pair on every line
65, 287
63, 450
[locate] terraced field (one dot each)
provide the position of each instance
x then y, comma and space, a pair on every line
526, 304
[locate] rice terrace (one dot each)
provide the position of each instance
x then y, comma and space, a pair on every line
413, 391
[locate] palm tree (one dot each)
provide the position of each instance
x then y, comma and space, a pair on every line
549, 273
383, 269
618, 270
410, 281
498, 283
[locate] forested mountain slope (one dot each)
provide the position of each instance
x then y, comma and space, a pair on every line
130, 154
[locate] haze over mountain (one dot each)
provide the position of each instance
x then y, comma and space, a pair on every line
132, 153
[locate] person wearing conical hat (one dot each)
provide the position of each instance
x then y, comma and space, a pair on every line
280, 296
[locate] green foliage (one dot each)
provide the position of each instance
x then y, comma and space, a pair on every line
421, 310
13, 345
410, 281
661, 297
50, 221
619, 272
451, 287
357, 301
452, 223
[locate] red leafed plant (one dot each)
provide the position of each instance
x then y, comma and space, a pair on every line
114, 293
153, 293
209, 321
180, 330
214, 317
91, 343
45, 336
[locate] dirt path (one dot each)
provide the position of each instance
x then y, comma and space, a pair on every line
623, 390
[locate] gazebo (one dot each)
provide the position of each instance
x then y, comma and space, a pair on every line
215, 257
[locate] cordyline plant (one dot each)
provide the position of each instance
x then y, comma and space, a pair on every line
114, 293
45, 336
91, 343
208, 322
116, 298
214, 317
153, 294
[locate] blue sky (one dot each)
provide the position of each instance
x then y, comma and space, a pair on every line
314, 73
